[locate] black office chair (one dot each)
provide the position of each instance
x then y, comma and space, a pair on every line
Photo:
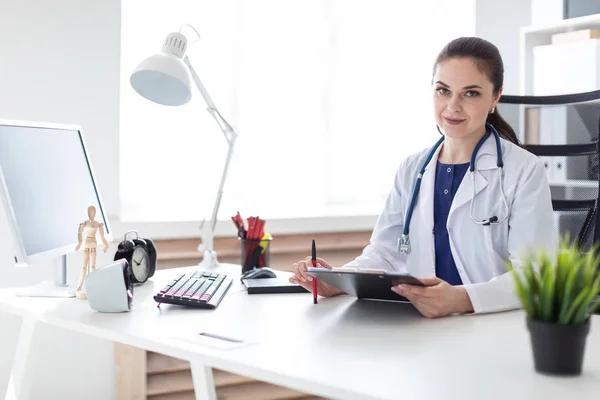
563, 130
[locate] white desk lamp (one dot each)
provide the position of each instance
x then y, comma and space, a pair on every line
164, 78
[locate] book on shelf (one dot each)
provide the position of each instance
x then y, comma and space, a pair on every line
532, 125
575, 36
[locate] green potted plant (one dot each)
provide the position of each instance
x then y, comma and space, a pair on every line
559, 294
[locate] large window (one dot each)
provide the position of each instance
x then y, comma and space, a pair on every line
328, 97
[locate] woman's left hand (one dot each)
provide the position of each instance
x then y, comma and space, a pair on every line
437, 299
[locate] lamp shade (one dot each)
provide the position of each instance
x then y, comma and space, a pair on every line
164, 78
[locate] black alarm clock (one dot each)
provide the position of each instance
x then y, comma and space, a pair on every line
140, 253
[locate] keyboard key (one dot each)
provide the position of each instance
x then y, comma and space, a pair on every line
185, 288
211, 290
201, 290
171, 291
176, 287
192, 289
170, 284
174, 281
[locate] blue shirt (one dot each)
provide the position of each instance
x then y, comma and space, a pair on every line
447, 180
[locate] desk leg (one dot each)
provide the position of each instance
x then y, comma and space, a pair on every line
204, 384
19, 385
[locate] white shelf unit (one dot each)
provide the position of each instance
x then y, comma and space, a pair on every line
532, 36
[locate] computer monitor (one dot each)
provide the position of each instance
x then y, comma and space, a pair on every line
46, 185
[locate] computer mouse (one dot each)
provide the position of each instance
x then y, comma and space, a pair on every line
260, 273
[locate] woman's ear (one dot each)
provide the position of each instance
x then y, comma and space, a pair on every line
497, 98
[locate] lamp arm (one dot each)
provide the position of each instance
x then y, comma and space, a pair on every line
227, 129
209, 240
230, 135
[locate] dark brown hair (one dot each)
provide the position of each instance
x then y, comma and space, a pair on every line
488, 60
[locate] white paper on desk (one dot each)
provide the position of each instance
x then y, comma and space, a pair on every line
214, 340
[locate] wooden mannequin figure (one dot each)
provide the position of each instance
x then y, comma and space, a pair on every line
90, 227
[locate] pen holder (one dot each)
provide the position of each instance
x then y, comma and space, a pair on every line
256, 253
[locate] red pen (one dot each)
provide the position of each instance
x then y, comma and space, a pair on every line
314, 263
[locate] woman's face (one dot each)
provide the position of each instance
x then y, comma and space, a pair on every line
463, 97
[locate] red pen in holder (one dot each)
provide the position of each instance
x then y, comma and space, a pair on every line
255, 253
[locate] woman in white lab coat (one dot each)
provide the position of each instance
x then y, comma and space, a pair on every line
462, 262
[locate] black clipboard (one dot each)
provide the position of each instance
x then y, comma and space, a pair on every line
365, 284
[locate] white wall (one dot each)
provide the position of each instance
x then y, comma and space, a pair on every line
499, 22
61, 64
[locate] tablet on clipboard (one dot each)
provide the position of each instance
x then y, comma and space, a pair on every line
365, 284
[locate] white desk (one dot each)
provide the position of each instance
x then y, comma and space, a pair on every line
341, 348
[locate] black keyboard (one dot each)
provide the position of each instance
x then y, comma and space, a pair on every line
199, 289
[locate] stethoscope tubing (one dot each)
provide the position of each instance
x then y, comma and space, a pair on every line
404, 240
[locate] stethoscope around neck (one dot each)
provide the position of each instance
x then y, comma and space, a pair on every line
404, 240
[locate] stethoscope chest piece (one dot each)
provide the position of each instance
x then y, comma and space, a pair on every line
404, 244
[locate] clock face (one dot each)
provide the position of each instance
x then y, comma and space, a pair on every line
140, 263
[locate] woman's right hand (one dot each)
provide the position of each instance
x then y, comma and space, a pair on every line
301, 277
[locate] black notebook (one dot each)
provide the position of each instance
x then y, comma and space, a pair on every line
272, 285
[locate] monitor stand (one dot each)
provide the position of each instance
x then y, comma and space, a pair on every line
55, 288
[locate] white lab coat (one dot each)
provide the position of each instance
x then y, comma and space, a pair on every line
479, 251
